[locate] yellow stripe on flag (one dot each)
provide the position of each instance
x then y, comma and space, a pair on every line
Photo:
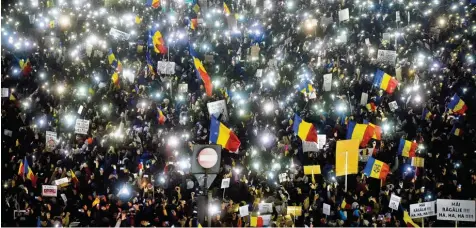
223, 135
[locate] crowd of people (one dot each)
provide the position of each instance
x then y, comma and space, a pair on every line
131, 164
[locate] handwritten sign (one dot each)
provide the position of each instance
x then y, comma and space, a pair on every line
393, 106
386, 57
456, 210
321, 141
49, 190
165, 67
225, 183
183, 88
364, 98
244, 211
326, 209
309, 146
344, 14
420, 210
394, 201
62, 181
81, 127
218, 107
265, 208
327, 85
259, 73
118, 34
5, 92
51, 140
255, 52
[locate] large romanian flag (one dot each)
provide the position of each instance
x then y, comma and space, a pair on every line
221, 135
306, 131
153, 3
201, 72
407, 148
385, 81
457, 105
159, 44
194, 23
361, 132
376, 169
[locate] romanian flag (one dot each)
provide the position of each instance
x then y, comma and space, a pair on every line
194, 23
408, 220
426, 114
115, 80
306, 87
362, 132
221, 135
344, 205
418, 162
377, 132
159, 44
114, 62
74, 179
407, 148
457, 105
160, 117
150, 64
153, 3
371, 107
256, 221
385, 81
306, 131
226, 10
25, 66
376, 169
201, 72
21, 169
456, 131
96, 201
138, 19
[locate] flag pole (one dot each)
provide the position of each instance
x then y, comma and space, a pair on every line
422, 222
346, 160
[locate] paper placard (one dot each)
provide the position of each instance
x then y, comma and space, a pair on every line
8, 132
61, 181
420, 210
63, 196
209, 59
321, 141
295, 210
386, 36
326, 209
347, 150
393, 105
456, 210
364, 98
398, 73
225, 183
265, 208
218, 107
386, 57
309, 146
394, 202
244, 211
255, 52
344, 14
259, 73
312, 169
418, 162
5, 92
367, 41
51, 140
164, 67
49, 190
81, 127
80, 109
397, 16
327, 85
283, 177
118, 34
183, 88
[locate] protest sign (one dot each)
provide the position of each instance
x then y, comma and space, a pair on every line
265, 208
80, 109
347, 150
63, 196
118, 34
398, 73
327, 85
225, 183
386, 57
255, 52
344, 14
165, 67
218, 107
244, 211
51, 140
62, 181
49, 190
295, 210
321, 141
419, 210
456, 210
326, 209
386, 37
266, 220
393, 106
312, 169
209, 59
5, 92
367, 41
397, 16
364, 98
394, 202
283, 177
309, 146
259, 73
183, 88
81, 127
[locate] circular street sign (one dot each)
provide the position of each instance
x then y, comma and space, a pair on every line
207, 158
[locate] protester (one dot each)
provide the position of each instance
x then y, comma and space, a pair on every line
403, 70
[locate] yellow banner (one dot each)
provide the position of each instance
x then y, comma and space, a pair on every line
351, 148
312, 169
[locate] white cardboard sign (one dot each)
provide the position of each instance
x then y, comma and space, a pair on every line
81, 127
259, 73
164, 67
244, 211
49, 190
393, 106
326, 209
218, 107
8, 132
309, 146
456, 210
394, 201
364, 98
420, 210
397, 16
327, 82
183, 88
118, 34
51, 140
80, 109
61, 181
265, 208
321, 141
387, 57
225, 183
5, 92
344, 14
